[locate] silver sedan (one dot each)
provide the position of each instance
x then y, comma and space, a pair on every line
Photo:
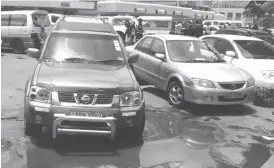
190, 70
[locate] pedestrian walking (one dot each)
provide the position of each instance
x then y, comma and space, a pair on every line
139, 30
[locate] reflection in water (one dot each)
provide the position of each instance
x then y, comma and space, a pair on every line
256, 156
85, 152
195, 135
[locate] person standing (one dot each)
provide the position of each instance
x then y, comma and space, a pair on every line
130, 33
140, 30
207, 29
178, 28
42, 36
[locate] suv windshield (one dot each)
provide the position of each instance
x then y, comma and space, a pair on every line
255, 49
84, 47
192, 51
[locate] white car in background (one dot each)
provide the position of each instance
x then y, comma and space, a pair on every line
118, 23
249, 53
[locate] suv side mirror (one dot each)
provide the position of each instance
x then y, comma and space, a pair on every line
133, 58
33, 53
160, 56
230, 54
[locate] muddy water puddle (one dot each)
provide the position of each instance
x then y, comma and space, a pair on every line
195, 135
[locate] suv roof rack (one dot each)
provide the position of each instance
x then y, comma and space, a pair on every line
84, 23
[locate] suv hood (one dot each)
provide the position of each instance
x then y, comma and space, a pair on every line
216, 72
95, 78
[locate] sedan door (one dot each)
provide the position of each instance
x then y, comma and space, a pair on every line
143, 49
154, 64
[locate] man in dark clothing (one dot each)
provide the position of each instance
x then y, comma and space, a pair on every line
140, 30
255, 27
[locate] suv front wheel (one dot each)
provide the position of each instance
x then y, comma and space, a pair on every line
139, 129
31, 129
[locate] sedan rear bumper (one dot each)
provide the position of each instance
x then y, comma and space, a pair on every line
216, 96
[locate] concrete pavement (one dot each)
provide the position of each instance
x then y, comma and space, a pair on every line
195, 136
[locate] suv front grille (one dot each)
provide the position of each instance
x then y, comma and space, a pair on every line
65, 97
232, 86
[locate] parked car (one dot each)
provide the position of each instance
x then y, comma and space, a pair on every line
19, 29
267, 38
243, 32
118, 23
190, 70
249, 53
83, 83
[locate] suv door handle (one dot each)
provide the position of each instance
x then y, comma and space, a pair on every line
147, 61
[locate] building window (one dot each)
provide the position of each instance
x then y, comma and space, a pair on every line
5, 20
238, 16
229, 16
222, 13
18, 20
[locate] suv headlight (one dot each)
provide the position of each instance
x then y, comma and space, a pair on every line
268, 74
40, 94
203, 83
250, 82
130, 99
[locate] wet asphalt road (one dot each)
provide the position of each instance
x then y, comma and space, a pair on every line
193, 137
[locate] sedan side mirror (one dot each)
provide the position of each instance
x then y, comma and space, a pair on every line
133, 58
160, 56
33, 53
230, 54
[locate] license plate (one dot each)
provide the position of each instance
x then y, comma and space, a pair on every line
86, 114
233, 95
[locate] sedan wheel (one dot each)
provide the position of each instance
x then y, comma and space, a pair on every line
176, 94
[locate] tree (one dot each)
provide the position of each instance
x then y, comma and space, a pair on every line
260, 12
253, 10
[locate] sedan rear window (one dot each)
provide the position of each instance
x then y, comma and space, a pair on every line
90, 47
255, 49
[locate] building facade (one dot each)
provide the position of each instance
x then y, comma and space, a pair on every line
233, 9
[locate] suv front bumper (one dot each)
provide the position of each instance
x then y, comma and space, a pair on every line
53, 116
56, 129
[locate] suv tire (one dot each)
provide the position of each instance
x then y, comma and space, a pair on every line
31, 129
138, 130
17, 46
176, 97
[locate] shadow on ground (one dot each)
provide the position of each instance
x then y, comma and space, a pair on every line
77, 151
208, 110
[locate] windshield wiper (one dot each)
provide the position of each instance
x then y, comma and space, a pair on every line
263, 57
110, 61
217, 61
193, 61
75, 59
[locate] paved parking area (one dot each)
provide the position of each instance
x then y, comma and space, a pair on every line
195, 136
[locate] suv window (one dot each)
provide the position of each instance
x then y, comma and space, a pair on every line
89, 47
222, 46
144, 46
5, 20
18, 20
54, 18
158, 47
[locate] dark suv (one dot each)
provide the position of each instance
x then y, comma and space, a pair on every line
268, 37
83, 83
